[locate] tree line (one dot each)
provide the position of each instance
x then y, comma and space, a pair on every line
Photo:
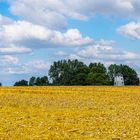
34, 81
75, 72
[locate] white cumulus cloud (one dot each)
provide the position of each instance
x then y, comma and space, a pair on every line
27, 34
131, 29
103, 51
54, 13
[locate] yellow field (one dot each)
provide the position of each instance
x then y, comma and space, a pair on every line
70, 113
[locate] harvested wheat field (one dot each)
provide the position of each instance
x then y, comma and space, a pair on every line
70, 113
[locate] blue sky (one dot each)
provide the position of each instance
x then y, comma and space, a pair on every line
35, 33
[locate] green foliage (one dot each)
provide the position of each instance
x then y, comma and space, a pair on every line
98, 74
21, 83
39, 81
97, 79
32, 81
97, 68
77, 73
71, 72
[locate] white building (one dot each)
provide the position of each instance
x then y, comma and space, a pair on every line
119, 80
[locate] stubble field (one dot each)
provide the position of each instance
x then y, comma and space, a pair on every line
70, 113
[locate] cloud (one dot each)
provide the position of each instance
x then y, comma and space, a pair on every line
49, 13
8, 60
23, 33
61, 53
103, 51
31, 67
44, 12
11, 70
12, 49
131, 30
12, 65
5, 20
38, 65
74, 56
109, 7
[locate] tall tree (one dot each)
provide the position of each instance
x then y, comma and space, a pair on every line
98, 74
68, 72
32, 81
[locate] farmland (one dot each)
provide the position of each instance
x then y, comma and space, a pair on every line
67, 113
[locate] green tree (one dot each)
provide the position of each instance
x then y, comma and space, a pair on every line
68, 72
32, 81
38, 81
44, 81
97, 79
21, 83
97, 75
97, 68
